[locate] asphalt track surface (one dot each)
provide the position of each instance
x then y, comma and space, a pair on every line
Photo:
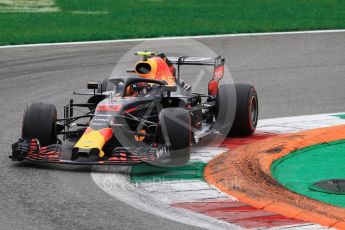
294, 74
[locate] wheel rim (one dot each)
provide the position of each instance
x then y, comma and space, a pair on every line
253, 111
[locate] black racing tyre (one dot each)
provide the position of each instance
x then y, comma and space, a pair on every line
247, 109
106, 86
39, 122
175, 130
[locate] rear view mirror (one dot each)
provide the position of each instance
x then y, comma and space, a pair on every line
93, 85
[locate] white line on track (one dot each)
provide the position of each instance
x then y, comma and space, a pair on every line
299, 123
175, 38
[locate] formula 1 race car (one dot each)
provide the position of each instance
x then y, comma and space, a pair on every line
150, 116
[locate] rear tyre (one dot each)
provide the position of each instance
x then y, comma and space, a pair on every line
40, 122
175, 131
247, 110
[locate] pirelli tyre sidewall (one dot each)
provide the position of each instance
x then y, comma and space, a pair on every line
174, 130
39, 121
246, 110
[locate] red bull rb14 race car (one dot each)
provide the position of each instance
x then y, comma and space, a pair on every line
149, 115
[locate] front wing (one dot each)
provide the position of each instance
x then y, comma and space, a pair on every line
27, 149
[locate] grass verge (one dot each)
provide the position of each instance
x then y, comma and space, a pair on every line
82, 20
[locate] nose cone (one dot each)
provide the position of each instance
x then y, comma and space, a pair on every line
92, 142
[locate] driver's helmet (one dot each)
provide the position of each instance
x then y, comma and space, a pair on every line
157, 67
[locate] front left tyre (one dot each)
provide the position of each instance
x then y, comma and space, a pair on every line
39, 122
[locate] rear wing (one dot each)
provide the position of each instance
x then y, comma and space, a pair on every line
217, 63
